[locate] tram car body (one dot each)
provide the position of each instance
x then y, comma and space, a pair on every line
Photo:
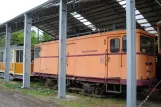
99, 59
16, 62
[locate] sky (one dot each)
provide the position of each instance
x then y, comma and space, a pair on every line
12, 8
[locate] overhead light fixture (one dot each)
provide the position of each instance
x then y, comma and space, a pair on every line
83, 20
140, 19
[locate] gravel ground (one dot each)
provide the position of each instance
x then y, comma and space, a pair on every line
14, 99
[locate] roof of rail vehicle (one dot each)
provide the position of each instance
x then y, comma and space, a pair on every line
115, 32
124, 32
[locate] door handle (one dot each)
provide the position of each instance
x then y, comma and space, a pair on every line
67, 59
121, 57
106, 57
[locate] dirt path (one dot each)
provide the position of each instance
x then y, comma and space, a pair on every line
14, 99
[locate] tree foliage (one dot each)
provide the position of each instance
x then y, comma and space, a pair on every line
17, 38
2, 41
45, 37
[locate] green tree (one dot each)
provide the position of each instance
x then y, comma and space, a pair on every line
45, 37
33, 38
2, 41
17, 38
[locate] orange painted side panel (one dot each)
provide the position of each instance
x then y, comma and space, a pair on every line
90, 61
86, 57
37, 62
19, 68
114, 66
141, 67
71, 66
15, 68
11, 68
1, 66
114, 59
32, 68
90, 66
124, 67
70, 60
49, 64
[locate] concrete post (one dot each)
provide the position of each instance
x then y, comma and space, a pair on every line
62, 48
131, 53
7, 53
27, 51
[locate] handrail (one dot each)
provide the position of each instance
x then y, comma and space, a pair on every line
106, 57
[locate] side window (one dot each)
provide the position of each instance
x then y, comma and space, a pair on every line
21, 55
115, 45
17, 56
147, 45
124, 43
37, 52
1, 57
32, 55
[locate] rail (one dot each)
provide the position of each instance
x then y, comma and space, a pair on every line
146, 99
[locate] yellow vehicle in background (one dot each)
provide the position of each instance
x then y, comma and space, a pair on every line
16, 62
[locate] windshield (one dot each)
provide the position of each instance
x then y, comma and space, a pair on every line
147, 45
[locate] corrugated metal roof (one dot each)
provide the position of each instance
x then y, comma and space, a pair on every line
95, 14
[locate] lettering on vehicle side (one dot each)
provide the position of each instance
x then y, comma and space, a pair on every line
89, 51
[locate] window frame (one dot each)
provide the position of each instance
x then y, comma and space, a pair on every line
117, 38
19, 56
2, 56
37, 49
123, 44
32, 56
153, 51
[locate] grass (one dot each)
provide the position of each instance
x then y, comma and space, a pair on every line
86, 101
39, 90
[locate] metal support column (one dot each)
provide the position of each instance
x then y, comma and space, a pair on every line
131, 53
27, 51
62, 48
7, 53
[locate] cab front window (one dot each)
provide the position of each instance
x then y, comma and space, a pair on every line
146, 45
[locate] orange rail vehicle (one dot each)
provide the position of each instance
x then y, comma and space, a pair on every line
96, 63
